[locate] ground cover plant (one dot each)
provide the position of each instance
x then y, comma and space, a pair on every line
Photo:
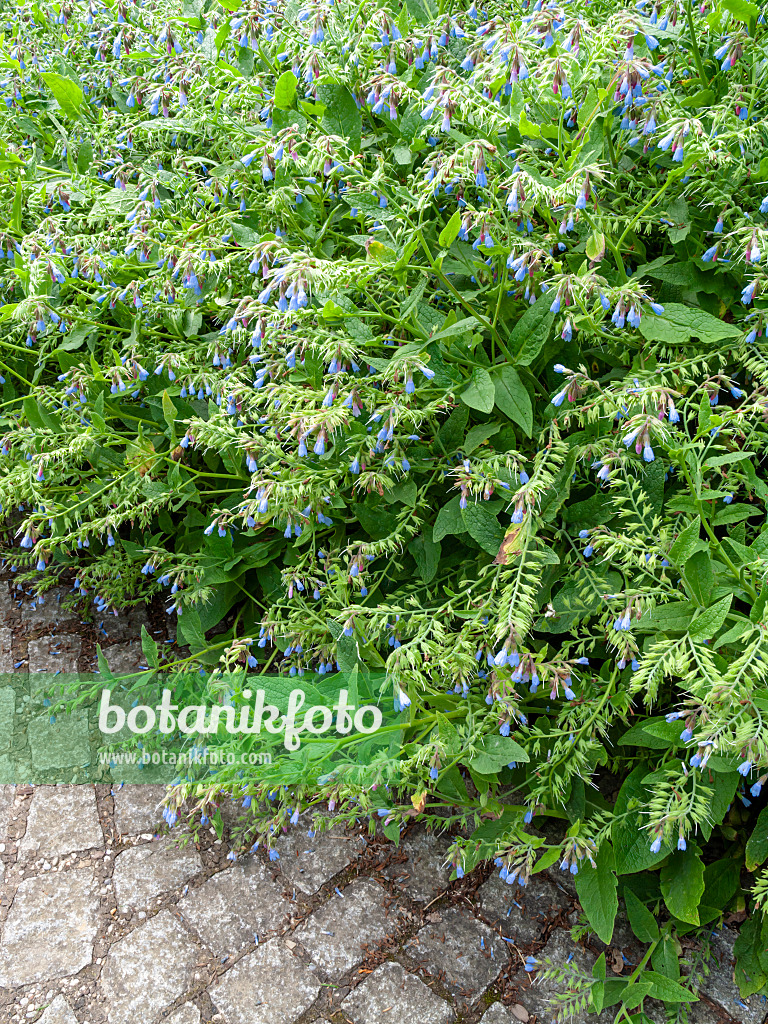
425, 343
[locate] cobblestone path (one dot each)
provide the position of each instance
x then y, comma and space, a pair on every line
105, 918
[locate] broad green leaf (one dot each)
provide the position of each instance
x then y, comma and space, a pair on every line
449, 520
674, 617
682, 883
531, 331
721, 880
478, 434
480, 392
285, 90
757, 844
656, 733
596, 246
341, 116
483, 527
15, 221
741, 9
678, 324
149, 649
686, 542
640, 918
495, 752
666, 990
426, 554
596, 889
705, 625
67, 93
450, 232
699, 576
632, 842
84, 156
512, 397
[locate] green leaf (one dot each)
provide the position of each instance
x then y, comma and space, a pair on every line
483, 527
169, 410
190, 630
495, 752
699, 576
741, 9
677, 212
735, 514
341, 116
682, 883
665, 959
449, 520
512, 397
711, 619
686, 542
426, 554
721, 879
67, 93
598, 969
674, 617
422, 10
285, 90
641, 920
531, 331
450, 232
479, 393
149, 649
84, 156
631, 842
668, 991
748, 950
678, 324
656, 733
596, 246
451, 434
527, 127
757, 844
15, 221
596, 889
478, 434
392, 832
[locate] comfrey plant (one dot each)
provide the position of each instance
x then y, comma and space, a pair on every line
429, 341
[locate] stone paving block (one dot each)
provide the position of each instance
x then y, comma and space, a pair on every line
61, 744
6, 658
137, 808
6, 805
7, 711
148, 969
127, 625
308, 863
391, 994
334, 934
424, 874
186, 1014
124, 658
58, 1013
500, 1014
459, 948
522, 911
268, 986
54, 653
50, 928
62, 819
47, 610
233, 906
720, 987
153, 868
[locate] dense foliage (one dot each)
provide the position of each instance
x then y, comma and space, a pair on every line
430, 342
